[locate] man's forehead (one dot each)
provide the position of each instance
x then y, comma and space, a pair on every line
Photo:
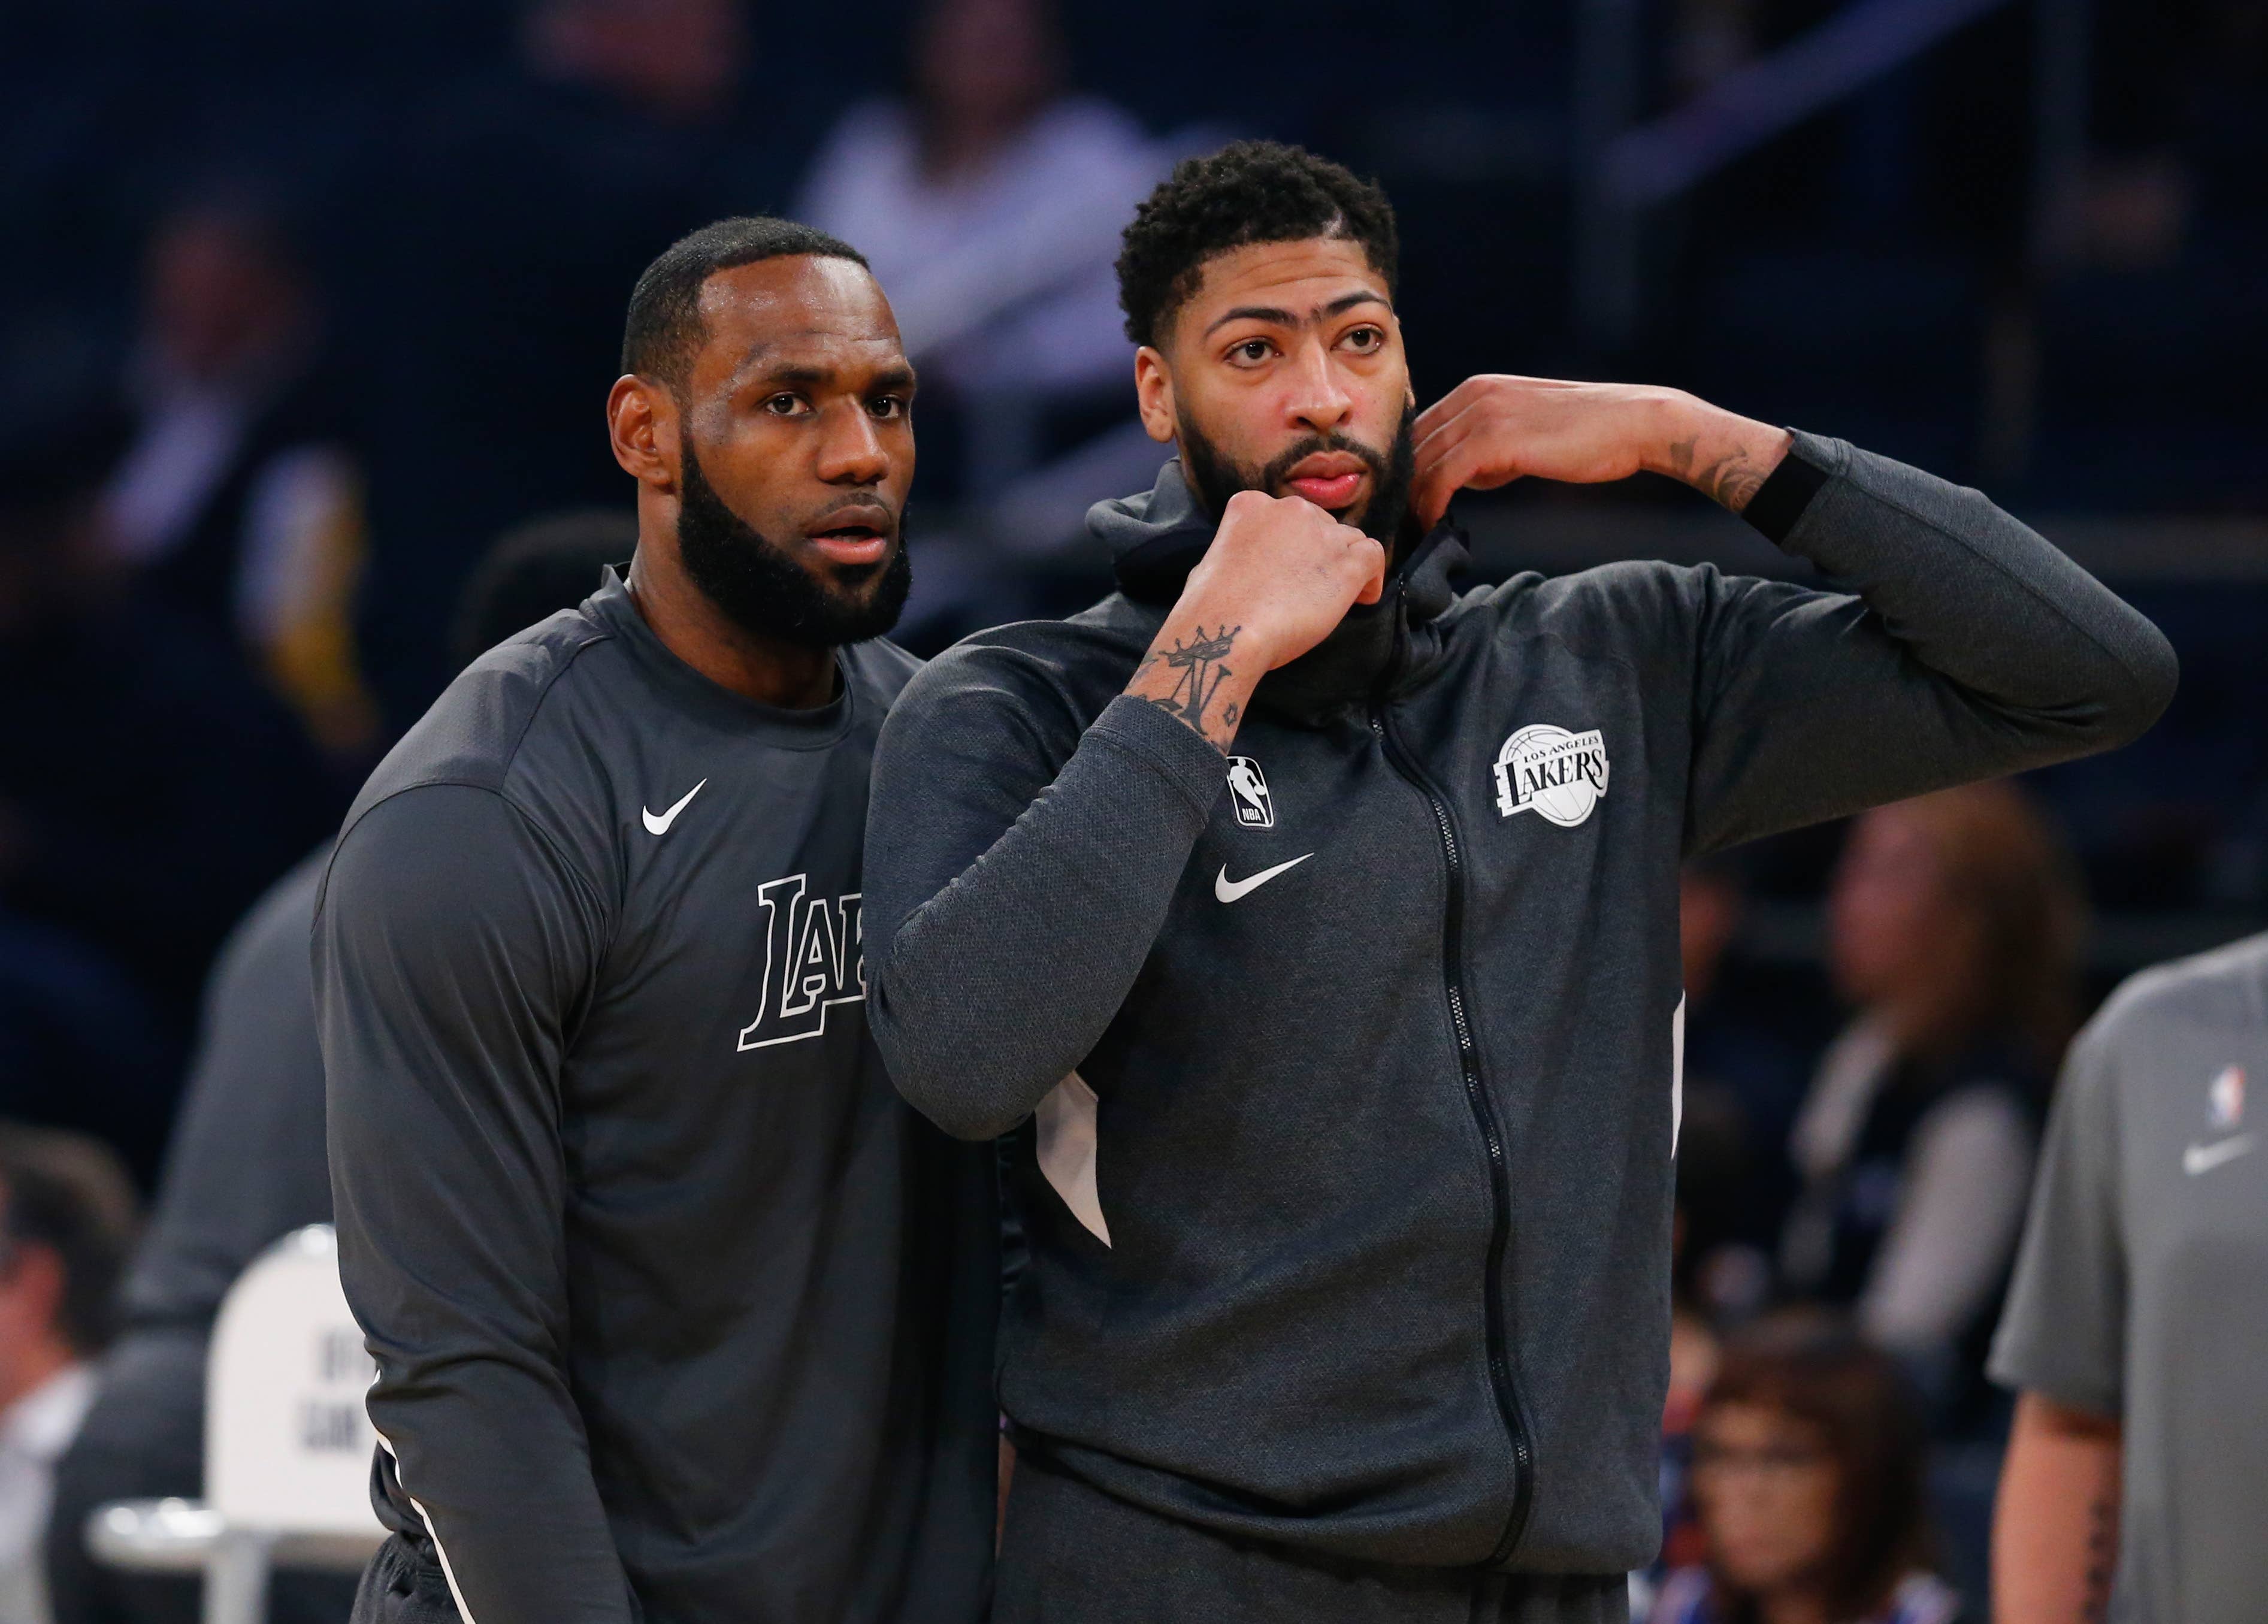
797, 298
797, 314
1295, 274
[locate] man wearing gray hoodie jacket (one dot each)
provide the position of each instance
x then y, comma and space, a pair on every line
1343, 1072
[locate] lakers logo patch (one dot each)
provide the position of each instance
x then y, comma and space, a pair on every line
1556, 774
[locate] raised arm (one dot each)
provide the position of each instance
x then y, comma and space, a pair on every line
1958, 645
1018, 870
451, 953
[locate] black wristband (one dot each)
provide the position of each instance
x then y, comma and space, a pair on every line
1779, 502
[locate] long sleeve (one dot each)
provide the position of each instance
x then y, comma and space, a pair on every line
1959, 645
452, 953
1015, 883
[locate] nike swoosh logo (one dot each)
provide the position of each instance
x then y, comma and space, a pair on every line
1236, 890
2203, 1158
660, 825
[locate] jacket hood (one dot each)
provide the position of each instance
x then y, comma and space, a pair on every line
1156, 538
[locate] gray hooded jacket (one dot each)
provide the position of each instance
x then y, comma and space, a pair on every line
1352, 1064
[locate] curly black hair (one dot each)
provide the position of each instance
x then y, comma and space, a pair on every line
1248, 192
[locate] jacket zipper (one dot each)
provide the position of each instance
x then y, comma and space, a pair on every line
1500, 1359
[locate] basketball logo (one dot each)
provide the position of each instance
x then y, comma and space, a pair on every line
1247, 792
1559, 774
2224, 1098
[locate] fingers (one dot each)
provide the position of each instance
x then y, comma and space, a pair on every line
1473, 461
1477, 387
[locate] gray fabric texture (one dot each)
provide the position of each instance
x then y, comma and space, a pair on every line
1332, 1314
677, 1308
246, 1165
1072, 1554
2141, 1290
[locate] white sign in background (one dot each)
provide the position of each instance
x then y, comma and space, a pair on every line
288, 1443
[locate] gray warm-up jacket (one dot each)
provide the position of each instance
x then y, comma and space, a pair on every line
1351, 1063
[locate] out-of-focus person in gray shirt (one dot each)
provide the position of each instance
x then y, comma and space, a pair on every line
67, 1218
989, 201
247, 1166
2136, 1486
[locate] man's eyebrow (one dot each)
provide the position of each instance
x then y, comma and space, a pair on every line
1255, 313
1338, 306
1346, 301
805, 375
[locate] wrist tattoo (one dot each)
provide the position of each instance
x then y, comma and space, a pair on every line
1730, 481
2101, 1559
1192, 671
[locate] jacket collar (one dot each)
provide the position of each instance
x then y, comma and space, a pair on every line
1156, 538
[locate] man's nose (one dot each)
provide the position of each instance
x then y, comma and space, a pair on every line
851, 450
1319, 400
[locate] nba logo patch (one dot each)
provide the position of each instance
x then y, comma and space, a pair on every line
1247, 792
1559, 774
2224, 1098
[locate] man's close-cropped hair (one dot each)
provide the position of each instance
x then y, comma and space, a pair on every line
664, 326
69, 1192
1248, 192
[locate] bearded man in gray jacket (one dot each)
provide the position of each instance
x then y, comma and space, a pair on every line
1343, 1071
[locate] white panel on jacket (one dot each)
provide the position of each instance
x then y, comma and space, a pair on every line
1067, 1144
1677, 1072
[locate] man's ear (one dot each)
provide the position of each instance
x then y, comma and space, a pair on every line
36, 1282
642, 422
1153, 394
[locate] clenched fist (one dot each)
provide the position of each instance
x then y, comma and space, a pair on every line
1280, 574
1285, 571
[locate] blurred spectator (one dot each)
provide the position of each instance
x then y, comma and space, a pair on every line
1954, 926
990, 200
536, 570
247, 1166
238, 500
66, 1220
151, 787
494, 236
1809, 1460
1712, 1168
1741, 1073
2138, 1317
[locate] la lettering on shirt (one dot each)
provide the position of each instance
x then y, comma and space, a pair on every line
669, 1291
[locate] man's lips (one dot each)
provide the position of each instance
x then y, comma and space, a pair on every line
862, 537
1329, 479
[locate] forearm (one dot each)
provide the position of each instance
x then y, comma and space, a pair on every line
2055, 1533
1200, 674
1726, 457
997, 976
1979, 598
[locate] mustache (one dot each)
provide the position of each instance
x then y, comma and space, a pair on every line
1292, 456
864, 507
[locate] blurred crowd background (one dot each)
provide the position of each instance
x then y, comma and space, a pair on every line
309, 306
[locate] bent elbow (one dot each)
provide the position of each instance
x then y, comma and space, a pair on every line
944, 1080
2153, 672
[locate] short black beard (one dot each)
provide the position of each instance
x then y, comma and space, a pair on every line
763, 590
1216, 479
